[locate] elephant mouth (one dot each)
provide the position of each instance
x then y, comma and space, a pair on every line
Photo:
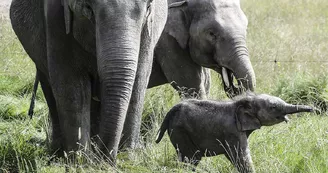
283, 118
286, 119
229, 82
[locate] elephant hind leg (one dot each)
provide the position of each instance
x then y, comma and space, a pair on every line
186, 149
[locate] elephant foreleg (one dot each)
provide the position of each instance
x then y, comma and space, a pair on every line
94, 118
207, 80
73, 97
240, 156
69, 81
131, 130
54, 136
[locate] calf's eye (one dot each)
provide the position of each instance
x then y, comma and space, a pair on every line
222, 39
272, 107
212, 35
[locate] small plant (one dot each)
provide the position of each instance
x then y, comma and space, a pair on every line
21, 145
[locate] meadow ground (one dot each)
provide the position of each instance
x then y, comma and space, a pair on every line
288, 44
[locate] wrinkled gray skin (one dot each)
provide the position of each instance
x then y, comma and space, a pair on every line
198, 128
207, 33
77, 45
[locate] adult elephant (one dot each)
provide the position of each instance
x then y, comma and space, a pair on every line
208, 33
75, 44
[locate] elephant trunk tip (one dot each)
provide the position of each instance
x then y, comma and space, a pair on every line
299, 108
307, 109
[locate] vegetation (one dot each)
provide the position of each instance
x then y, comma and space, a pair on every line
288, 44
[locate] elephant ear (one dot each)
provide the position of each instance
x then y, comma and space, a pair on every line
177, 24
67, 15
246, 117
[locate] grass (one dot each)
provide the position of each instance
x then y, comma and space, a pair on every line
303, 89
292, 33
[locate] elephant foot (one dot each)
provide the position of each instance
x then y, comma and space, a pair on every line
129, 144
100, 152
55, 140
56, 148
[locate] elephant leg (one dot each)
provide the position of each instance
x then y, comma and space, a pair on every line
94, 117
55, 132
185, 148
73, 96
95, 108
131, 130
207, 80
239, 155
70, 81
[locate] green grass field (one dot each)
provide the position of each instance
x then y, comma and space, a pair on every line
293, 33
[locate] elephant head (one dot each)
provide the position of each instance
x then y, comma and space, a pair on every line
255, 111
214, 31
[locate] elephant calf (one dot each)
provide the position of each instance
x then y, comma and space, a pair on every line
199, 128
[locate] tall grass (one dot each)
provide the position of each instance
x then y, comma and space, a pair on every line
288, 44
302, 89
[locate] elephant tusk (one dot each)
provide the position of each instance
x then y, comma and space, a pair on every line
225, 77
79, 133
286, 119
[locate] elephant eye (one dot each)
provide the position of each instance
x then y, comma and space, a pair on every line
222, 39
212, 35
273, 106
215, 37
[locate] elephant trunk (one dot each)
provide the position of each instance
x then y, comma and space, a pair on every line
241, 67
118, 44
244, 73
291, 109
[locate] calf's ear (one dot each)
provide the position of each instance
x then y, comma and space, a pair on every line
246, 118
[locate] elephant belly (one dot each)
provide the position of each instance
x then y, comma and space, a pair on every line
212, 148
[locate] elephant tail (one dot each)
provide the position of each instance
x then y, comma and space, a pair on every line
166, 121
35, 88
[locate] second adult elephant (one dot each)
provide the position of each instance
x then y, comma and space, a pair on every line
208, 33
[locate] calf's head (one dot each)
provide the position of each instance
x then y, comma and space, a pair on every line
255, 111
